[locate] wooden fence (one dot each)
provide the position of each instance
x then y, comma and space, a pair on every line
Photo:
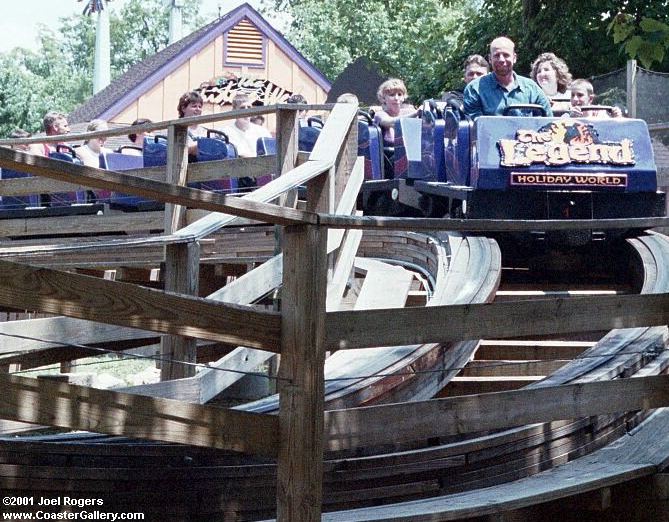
303, 331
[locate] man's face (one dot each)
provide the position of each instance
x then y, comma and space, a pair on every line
61, 126
502, 57
473, 71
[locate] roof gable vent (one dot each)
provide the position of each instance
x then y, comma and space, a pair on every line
244, 45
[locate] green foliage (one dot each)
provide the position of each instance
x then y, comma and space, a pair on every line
645, 40
425, 43
59, 75
407, 39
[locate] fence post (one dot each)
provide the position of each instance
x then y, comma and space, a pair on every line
182, 261
631, 88
301, 387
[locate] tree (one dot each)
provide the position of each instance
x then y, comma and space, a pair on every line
643, 34
575, 31
59, 75
409, 39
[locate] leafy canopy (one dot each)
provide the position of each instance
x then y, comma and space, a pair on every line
58, 76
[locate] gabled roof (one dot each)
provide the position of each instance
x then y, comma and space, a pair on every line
141, 77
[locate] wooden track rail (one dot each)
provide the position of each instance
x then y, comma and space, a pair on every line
303, 330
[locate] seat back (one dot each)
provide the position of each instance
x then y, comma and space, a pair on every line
369, 146
308, 134
407, 153
215, 146
266, 146
457, 148
60, 199
120, 162
155, 151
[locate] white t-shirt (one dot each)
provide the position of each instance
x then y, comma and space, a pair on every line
246, 141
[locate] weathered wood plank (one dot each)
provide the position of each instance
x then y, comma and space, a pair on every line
182, 270
342, 269
203, 171
177, 165
191, 120
52, 331
334, 132
293, 179
109, 180
471, 413
641, 453
252, 285
101, 411
301, 402
347, 202
486, 225
126, 304
385, 286
182, 262
391, 327
130, 223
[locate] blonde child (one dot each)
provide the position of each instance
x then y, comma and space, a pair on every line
582, 93
392, 94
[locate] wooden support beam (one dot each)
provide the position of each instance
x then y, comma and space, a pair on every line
346, 203
517, 350
367, 426
301, 389
486, 225
394, 327
102, 411
126, 304
286, 141
182, 262
177, 165
206, 170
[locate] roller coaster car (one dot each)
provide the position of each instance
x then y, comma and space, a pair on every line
530, 167
386, 166
215, 146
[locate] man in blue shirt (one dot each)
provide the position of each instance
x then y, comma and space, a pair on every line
489, 95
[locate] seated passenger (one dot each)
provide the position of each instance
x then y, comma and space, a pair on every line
259, 119
491, 94
55, 124
136, 139
89, 152
475, 67
190, 104
582, 93
29, 148
392, 94
347, 97
242, 133
299, 99
553, 76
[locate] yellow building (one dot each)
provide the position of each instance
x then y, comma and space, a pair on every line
240, 50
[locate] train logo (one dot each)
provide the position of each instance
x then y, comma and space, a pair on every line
563, 142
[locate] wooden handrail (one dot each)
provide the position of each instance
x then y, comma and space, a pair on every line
161, 191
125, 304
162, 125
485, 225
